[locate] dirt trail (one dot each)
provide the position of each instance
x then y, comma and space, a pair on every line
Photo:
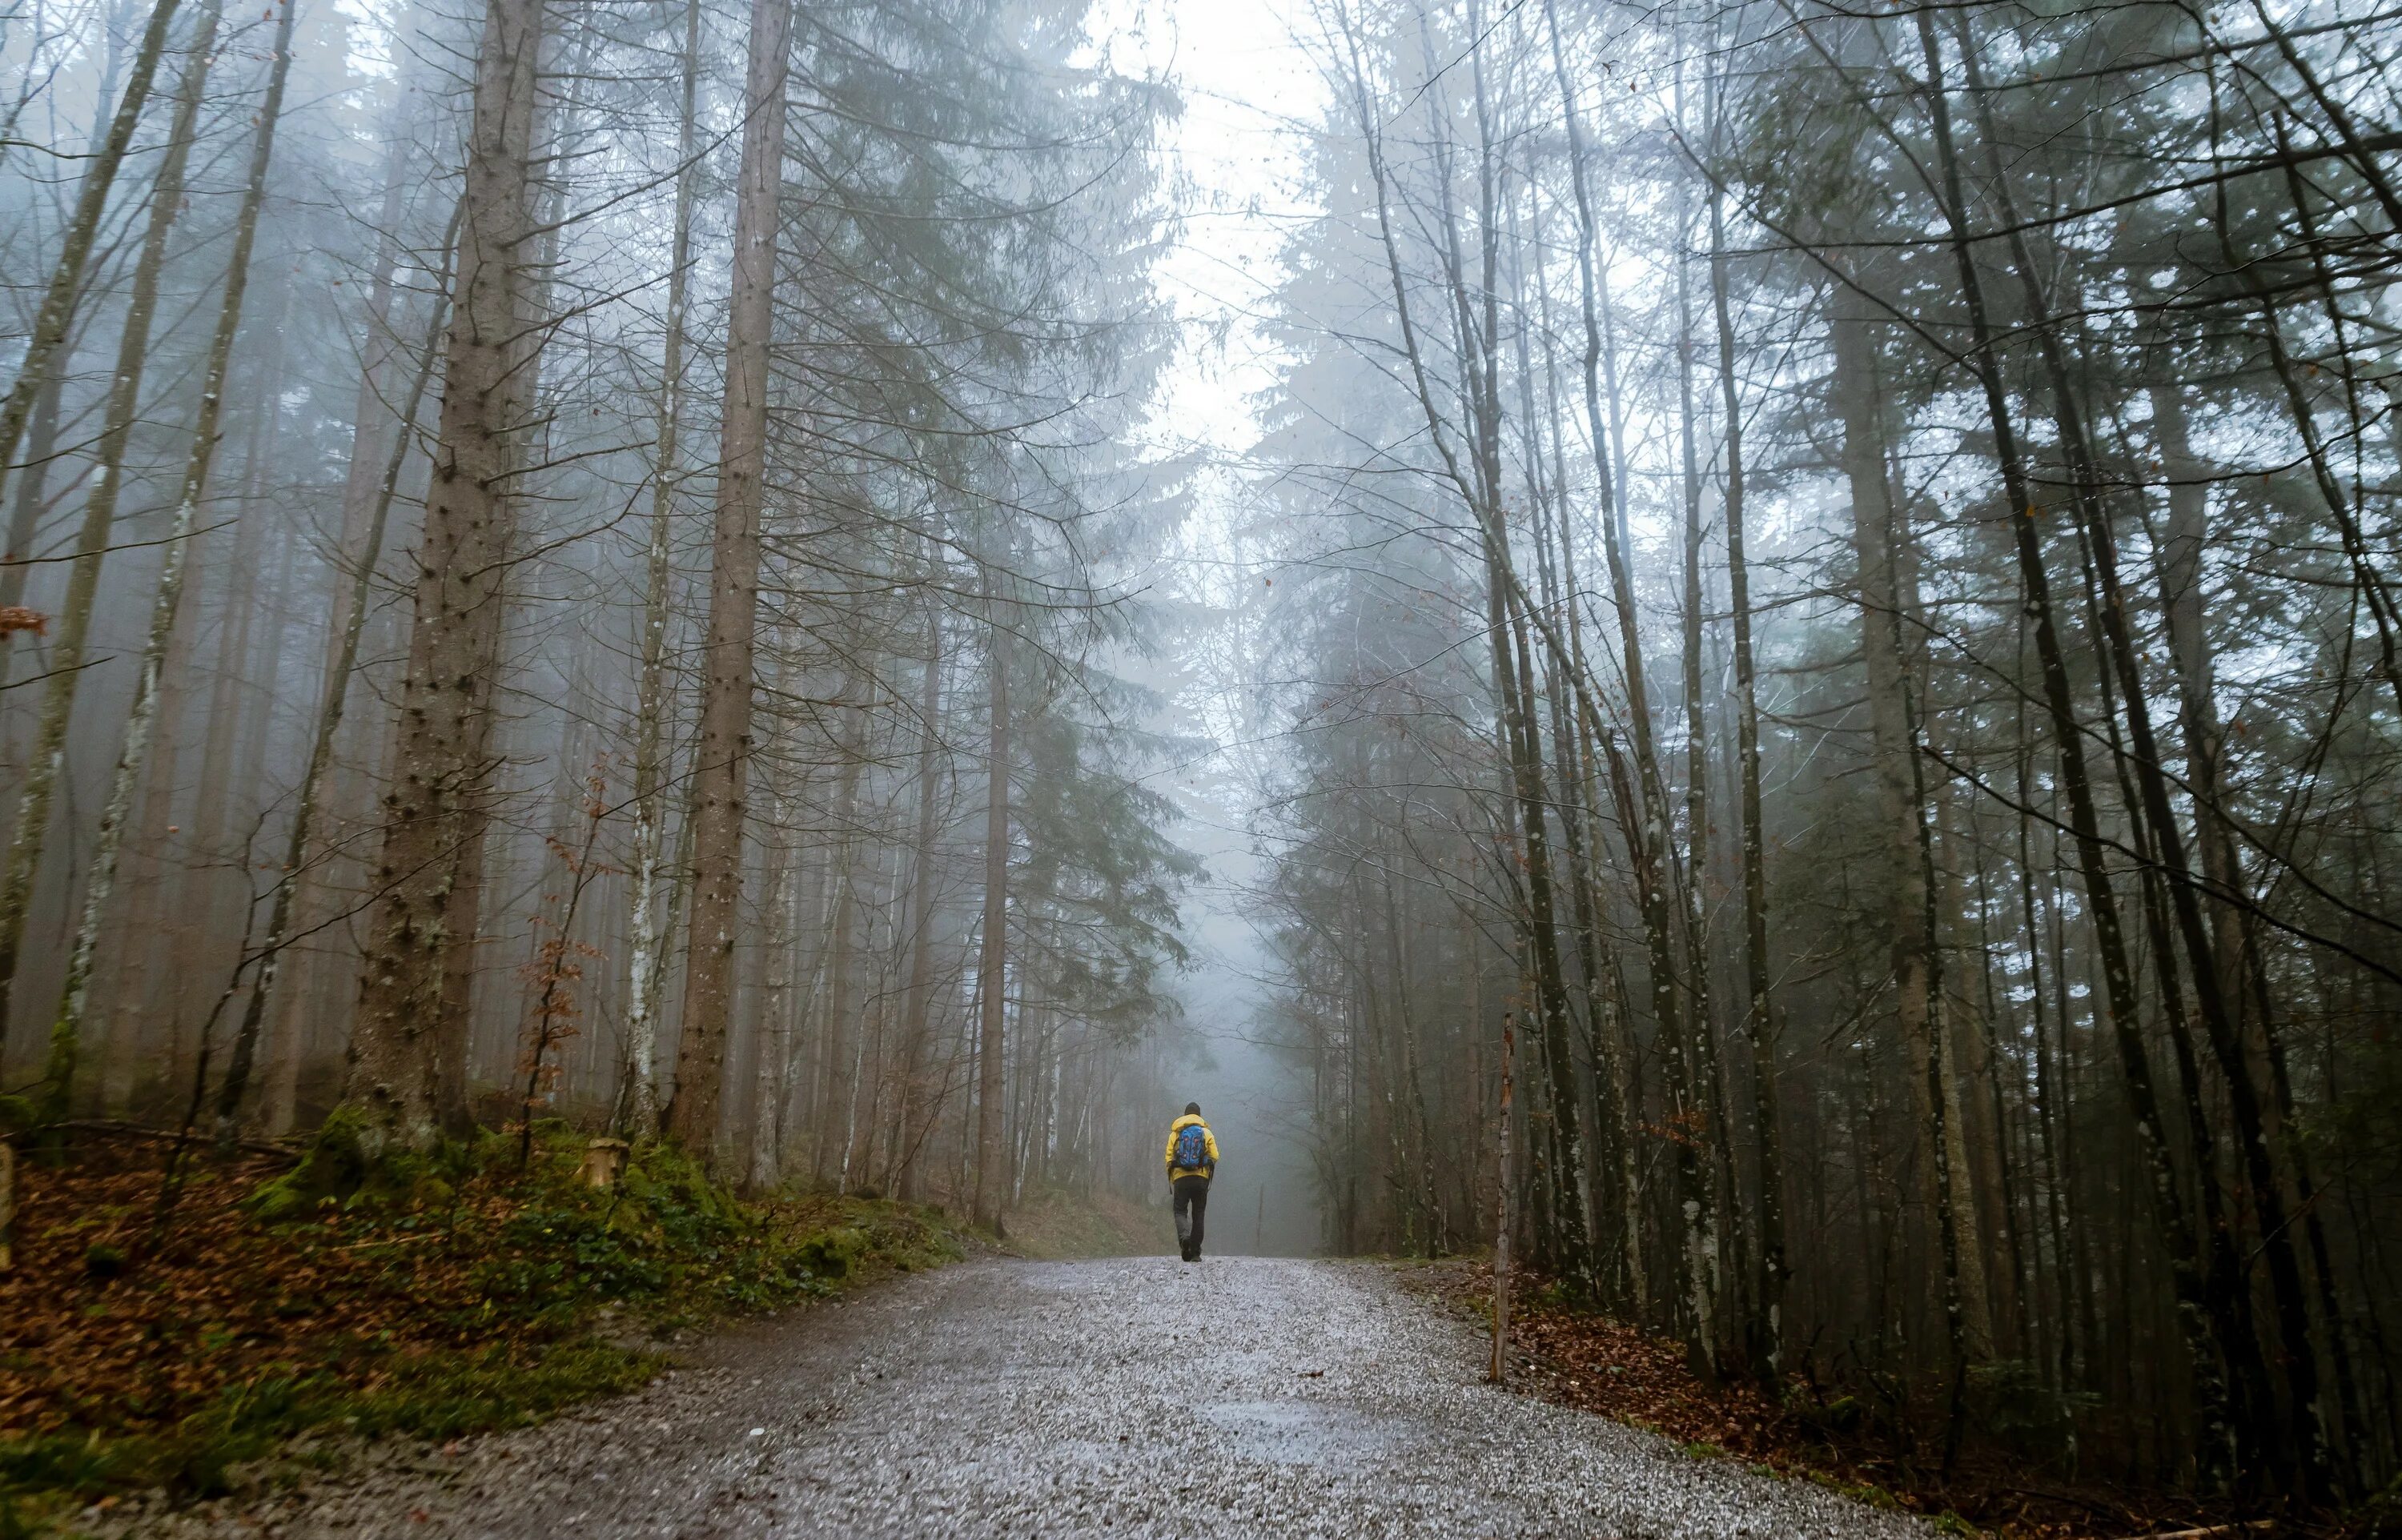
1242, 1397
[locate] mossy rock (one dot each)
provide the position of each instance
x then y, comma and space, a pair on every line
349, 1159
832, 1253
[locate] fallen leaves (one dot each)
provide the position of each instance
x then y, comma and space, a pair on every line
1578, 1358
450, 1306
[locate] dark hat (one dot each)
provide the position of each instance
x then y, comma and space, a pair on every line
1193, 1108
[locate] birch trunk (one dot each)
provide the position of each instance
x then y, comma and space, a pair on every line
646, 972
52, 322
66, 1032
48, 759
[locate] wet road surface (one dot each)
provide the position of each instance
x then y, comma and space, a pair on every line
1241, 1397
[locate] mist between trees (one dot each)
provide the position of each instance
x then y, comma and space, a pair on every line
573, 561
1827, 566
1846, 587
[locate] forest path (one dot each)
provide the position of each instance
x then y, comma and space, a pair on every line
1240, 1396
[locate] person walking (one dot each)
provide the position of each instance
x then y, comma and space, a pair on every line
1192, 1161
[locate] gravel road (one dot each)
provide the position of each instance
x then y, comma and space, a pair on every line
1241, 1397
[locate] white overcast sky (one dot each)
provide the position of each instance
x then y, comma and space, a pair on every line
1248, 88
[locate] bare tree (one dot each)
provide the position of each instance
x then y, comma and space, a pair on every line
133, 753
66, 660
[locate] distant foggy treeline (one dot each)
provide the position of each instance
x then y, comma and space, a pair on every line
1849, 590
571, 560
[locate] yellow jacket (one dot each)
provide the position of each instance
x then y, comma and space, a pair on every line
1206, 1137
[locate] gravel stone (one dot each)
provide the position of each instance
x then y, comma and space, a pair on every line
1141, 1396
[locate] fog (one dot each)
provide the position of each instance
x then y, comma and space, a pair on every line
885, 592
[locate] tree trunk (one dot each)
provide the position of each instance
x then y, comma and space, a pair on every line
830, 1137
333, 695
2239, 954
721, 767
1910, 909
1499, 1371
25, 517
2205, 1330
1766, 1347
367, 481
133, 751
52, 322
214, 880
920, 992
2208, 971
993, 957
48, 759
435, 809
646, 948
775, 1051
1724, 1244
1648, 835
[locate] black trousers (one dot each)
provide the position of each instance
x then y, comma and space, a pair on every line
1192, 1202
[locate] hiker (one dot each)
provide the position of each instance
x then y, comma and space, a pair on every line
1192, 1161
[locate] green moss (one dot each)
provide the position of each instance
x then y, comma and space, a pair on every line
1859, 1492
442, 1396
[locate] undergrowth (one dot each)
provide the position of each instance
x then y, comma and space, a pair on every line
1565, 1352
1055, 1224
429, 1295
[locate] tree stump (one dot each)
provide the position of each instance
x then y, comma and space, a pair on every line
604, 1161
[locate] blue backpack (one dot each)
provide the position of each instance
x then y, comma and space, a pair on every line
1191, 1148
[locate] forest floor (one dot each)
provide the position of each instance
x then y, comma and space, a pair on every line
1126, 1396
280, 1357
270, 1328
1056, 1227
1574, 1357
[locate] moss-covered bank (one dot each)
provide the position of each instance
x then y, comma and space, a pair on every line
431, 1296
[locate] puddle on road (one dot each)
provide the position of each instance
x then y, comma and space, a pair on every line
1305, 1433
